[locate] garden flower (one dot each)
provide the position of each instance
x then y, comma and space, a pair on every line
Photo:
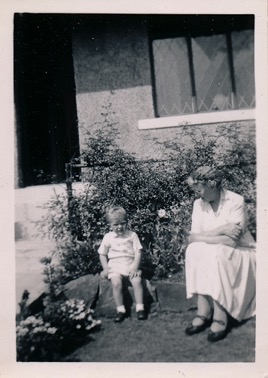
29, 320
161, 213
174, 210
79, 309
22, 331
80, 316
39, 329
52, 330
93, 324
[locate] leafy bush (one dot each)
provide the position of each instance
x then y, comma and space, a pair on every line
147, 190
46, 335
36, 340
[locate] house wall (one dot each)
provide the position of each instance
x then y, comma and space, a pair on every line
112, 66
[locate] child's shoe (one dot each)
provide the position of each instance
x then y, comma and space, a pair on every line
120, 317
141, 315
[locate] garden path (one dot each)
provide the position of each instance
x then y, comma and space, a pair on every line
29, 270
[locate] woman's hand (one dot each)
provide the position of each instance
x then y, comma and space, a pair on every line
192, 238
233, 230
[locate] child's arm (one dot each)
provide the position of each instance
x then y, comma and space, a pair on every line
103, 252
104, 264
134, 271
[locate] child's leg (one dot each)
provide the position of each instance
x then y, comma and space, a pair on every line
117, 285
136, 283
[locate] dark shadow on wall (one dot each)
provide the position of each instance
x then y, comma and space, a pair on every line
44, 95
111, 53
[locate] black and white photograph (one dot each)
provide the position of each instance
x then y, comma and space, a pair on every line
137, 186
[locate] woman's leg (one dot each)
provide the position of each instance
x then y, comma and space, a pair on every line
203, 309
202, 320
221, 315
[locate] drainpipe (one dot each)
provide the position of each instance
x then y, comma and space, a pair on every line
69, 188
68, 175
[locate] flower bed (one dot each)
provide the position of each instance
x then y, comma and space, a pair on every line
45, 336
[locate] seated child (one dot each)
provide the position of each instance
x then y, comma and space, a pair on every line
120, 256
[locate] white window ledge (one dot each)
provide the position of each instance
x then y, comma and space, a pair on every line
197, 119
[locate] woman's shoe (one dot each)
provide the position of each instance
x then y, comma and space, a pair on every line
216, 336
192, 329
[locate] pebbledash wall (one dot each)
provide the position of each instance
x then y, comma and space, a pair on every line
112, 66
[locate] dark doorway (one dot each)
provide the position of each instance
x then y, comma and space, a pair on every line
45, 104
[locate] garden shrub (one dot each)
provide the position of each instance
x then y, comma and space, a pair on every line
47, 335
62, 323
154, 194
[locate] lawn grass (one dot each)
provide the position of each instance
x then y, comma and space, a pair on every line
161, 338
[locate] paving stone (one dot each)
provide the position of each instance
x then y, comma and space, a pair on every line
172, 297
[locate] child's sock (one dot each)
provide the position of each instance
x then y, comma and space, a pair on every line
121, 309
139, 307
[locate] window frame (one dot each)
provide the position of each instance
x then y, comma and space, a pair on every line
217, 116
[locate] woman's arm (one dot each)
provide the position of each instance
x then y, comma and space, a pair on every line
232, 230
218, 239
226, 234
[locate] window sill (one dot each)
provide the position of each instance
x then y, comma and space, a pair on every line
197, 119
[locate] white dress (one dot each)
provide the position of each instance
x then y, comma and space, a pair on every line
225, 273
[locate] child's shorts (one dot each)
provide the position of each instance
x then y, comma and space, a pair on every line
120, 266
122, 276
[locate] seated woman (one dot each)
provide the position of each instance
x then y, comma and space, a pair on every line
220, 258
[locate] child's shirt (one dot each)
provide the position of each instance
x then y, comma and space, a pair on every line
120, 250
121, 247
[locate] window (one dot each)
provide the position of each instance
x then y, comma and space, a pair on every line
203, 72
